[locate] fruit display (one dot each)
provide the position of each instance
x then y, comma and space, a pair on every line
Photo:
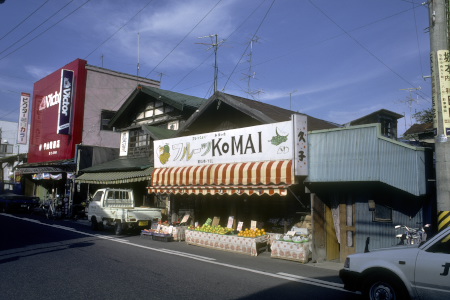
214, 229
252, 233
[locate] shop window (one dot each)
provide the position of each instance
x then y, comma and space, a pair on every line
382, 213
106, 116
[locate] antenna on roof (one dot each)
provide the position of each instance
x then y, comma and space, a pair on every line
409, 100
214, 45
290, 98
139, 56
251, 74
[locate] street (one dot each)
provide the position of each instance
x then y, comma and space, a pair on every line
46, 259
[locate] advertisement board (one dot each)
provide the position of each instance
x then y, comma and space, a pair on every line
276, 141
22, 132
56, 128
65, 102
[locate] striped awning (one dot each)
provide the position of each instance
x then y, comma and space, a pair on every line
268, 177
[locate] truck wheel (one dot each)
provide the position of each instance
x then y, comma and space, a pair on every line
94, 223
118, 228
382, 286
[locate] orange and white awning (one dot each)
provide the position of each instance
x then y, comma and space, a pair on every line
268, 177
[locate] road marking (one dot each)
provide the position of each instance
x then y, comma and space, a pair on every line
280, 275
338, 285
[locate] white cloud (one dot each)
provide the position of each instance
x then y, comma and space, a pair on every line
38, 72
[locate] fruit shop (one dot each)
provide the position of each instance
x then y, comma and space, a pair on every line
240, 188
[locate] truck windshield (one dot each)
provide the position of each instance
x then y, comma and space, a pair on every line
98, 196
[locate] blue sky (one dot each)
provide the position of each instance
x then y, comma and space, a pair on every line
333, 60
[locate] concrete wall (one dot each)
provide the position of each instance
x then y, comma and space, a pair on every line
106, 90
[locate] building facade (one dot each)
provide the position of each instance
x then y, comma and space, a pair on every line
70, 111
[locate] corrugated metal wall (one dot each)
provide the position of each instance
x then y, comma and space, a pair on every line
382, 234
360, 153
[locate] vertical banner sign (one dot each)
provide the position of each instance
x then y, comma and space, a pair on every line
124, 136
22, 132
300, 123
65, 102
444, 87
434, 94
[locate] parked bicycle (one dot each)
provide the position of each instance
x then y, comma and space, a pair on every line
411, 236
52, 208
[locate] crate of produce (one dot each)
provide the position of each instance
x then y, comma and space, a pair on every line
161, 237
146, 234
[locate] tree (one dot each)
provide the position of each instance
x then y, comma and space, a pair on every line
424, 116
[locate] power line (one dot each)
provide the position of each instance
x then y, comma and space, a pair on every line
187, 34
417, 38
73, 11
235, 30
42, 23
257, 29
362, 46
120, 28
21, 22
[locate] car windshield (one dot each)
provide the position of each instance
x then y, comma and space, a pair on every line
441, 246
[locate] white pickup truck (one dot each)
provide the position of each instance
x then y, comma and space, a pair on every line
402, 272
115, 207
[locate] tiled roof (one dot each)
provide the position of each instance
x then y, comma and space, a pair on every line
419, 128
121, 164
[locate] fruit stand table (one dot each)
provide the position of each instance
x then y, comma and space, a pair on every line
177, 232
232, 243
300, 252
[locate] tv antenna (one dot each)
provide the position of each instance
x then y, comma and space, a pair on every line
290, 98
139, 56
251, 74
214, 44
409, 100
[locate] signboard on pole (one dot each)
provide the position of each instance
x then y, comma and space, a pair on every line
22, 132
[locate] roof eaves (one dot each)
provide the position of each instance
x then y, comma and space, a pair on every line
256, 114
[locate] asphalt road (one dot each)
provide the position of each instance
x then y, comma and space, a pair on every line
42, 259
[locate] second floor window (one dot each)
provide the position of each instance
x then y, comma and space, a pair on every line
106, 116
138, 138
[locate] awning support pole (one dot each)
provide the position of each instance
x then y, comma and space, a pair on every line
295, 196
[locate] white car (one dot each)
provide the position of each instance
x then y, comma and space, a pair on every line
402, 272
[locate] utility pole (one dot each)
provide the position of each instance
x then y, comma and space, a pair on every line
440, 69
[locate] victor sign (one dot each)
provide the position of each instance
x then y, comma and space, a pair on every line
65, 102
277, 141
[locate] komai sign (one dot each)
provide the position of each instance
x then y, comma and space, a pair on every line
277, 141
65, 102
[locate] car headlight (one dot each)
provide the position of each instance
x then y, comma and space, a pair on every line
347, 262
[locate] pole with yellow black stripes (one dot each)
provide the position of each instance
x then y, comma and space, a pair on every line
440, 67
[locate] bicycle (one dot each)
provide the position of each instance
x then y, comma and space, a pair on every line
411, 236
52, 208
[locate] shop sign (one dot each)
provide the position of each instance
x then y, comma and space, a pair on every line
276, 141
65, 102
124, 136
22, 132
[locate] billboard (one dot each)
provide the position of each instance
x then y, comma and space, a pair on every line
65, 102
22, 132
276, 141
57, 114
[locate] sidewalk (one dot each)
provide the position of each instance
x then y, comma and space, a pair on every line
331, 265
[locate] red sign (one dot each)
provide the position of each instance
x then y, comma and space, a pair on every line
45, 142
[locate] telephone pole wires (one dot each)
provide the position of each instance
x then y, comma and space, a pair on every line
440, 68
